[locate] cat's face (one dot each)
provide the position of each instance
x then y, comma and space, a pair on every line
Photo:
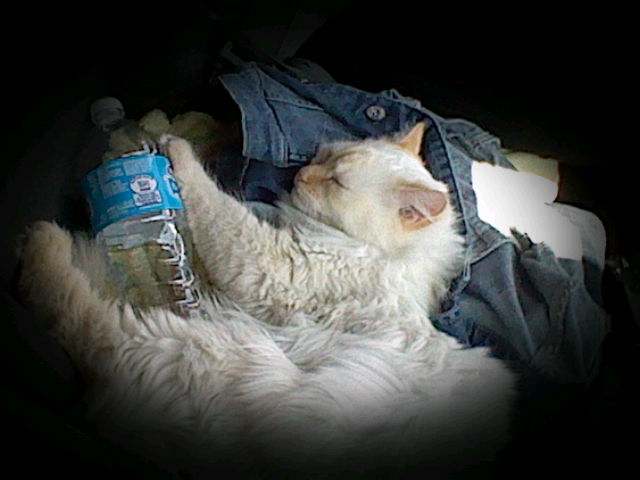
374, 190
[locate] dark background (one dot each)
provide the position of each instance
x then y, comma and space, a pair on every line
554, 82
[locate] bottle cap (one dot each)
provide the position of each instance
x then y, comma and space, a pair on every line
106, 112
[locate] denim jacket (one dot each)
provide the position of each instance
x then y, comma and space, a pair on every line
530, 307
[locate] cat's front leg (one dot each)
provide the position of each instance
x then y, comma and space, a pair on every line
203, 201
240, 253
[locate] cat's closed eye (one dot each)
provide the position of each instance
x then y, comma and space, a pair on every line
337, 181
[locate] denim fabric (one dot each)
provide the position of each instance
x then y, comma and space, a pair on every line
515, 297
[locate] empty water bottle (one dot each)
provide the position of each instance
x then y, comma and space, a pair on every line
138, 216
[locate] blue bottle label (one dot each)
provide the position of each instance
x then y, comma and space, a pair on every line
128, 186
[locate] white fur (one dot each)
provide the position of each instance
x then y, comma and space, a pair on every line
318, 353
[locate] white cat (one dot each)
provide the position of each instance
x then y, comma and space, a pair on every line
318, 354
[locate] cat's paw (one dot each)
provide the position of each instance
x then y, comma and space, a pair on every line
44, 244
179, 151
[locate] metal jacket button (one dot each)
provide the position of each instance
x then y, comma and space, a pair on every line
375, 113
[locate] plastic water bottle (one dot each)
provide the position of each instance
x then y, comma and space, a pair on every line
138, 216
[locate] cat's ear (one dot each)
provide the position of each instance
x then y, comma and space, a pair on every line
420, 206
412, 141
